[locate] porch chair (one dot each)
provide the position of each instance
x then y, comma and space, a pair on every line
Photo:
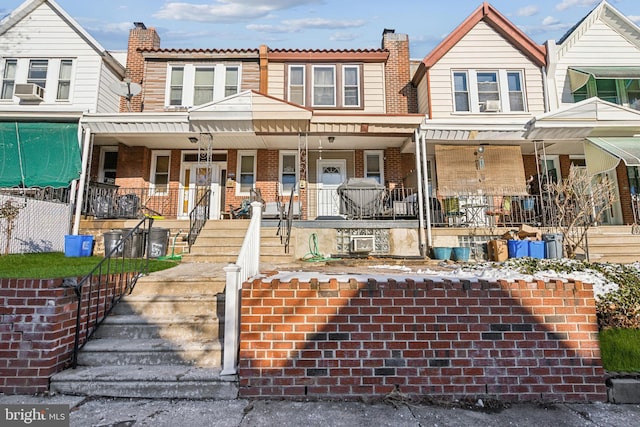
452, 213
242, 211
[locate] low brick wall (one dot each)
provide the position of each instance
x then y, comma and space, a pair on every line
37, 331
514, 341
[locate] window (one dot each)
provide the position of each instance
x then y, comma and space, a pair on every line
460, 91
373, 166
479, 91
633, 173
288, 171
324, 86
203, 86
176, 82
351, 86
231, 81
160, 163
618, 91
606, 90
516, 94
38, 72
108, 164
246, 171
296, 84
64, 80
9, 78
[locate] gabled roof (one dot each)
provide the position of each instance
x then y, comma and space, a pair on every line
606, 13
487, 13
26, 8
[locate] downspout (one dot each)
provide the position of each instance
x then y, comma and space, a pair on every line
421, 239
545, 89
83, 180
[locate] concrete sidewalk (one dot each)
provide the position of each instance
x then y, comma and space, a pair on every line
239, 412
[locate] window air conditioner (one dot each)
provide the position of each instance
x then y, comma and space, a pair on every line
29, 92
361, 244
491, 106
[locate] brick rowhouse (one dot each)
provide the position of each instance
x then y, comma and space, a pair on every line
515, 341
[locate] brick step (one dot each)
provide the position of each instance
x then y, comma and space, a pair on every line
144, 381
175, 328
169, 305
101, 352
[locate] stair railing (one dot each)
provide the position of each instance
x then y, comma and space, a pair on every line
247, 265
198, 217
112, 278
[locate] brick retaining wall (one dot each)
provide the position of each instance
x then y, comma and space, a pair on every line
515, 341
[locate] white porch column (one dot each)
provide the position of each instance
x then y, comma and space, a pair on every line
421, 239
86, 141
425, 165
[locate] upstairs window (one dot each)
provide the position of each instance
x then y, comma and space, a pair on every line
64, 80
38, 72
232, 81
204, 86
351, 86
324, 86
480, 91
296, 84
176, 82
8, 78
460, 91
516, 94
618, 91
488, 89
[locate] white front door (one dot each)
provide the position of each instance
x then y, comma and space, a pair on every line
331, 173
194, 186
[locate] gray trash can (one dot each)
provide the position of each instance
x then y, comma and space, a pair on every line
134, 244
111, 239
553, 245
157, 242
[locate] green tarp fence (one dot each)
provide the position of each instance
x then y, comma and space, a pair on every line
39, 154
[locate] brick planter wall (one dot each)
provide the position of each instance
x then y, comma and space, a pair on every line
37, 331
511, 341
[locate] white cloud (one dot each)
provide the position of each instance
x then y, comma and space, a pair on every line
566, 4
550, 20
527, 11
297, 25
343, 37
226, 10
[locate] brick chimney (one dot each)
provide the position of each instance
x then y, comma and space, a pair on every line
400, 93
140, 37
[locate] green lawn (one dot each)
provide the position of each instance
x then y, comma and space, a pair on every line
55, 265
620, 349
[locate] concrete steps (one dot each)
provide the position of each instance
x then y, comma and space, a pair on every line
616, 244
165, 340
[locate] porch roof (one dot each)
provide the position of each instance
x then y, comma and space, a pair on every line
604, 154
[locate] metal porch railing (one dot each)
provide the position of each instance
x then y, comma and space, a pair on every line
198, 217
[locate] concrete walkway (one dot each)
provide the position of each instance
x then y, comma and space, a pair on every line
240, 412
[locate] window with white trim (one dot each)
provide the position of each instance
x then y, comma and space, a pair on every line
160, 166
246, 171
108, 164
189, 85
296, 84
8, 78
64, 80
374, 166
488, 91
324, 86
288, 171
38, 72
351, 86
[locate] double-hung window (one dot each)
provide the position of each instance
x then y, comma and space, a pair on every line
64, 80
296, 84
324, 86
8, 78
351, 86
160, 163
176, 84
516, 94
488, 91
203, 85
246, 171
461, 91
38, 72
288, 171
618, 91
231, 83
373, 166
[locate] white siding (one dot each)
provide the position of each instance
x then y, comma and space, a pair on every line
373, 84
481, 48
108, 101
43, 34
423, 96
276, 80
599, 45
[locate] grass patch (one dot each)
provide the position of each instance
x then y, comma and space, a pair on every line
620, 349
55, 265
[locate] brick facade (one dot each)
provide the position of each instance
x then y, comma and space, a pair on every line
140, 37
401, 95
512, 341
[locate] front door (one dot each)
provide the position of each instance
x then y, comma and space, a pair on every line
194, 186
331, 173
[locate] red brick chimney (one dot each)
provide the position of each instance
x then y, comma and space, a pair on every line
140, 37
400, 93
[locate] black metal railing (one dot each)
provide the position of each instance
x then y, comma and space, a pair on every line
114, 276
48, 194
285, 223
111, 201
198, 217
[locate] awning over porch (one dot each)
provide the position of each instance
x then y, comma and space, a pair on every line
39, 154
579, 76
604, 154
482, 169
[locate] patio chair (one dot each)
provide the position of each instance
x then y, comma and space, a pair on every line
242, 211
452, 213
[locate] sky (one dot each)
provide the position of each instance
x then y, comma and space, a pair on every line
314, 24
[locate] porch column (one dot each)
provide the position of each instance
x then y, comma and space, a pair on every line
83, 179
421, 239
425, 165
